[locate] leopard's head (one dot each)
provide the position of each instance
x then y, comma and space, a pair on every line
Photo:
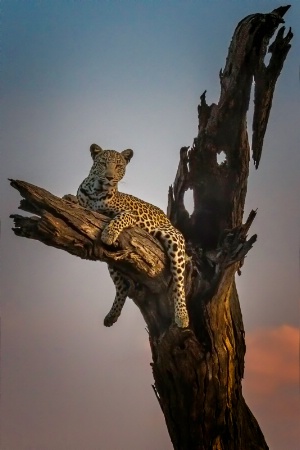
109, 167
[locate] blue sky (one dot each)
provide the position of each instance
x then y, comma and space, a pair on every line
129, 74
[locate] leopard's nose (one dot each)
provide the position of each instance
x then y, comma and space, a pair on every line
109, 178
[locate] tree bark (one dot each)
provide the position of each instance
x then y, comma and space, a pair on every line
197, 371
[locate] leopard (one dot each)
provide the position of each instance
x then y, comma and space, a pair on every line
99, 192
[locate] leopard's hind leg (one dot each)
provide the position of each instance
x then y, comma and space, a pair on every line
174, 243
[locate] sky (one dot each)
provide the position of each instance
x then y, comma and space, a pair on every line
129, 74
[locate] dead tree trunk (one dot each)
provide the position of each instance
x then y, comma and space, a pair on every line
197, 372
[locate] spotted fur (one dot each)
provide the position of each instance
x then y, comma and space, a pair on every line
99, 192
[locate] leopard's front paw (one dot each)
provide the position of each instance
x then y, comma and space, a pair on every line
70, 198
109, 236
109, 320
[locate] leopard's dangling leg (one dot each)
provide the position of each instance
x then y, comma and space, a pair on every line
174, 243
122, 288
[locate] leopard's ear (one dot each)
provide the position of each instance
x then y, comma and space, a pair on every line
127, 154
95, 150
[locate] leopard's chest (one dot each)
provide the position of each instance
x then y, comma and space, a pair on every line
106, 207
147, 216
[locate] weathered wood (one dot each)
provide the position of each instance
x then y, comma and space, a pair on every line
198, 378
68, 226
220, 189
197, 371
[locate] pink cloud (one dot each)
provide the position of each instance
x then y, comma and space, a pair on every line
272, 359
271, 385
